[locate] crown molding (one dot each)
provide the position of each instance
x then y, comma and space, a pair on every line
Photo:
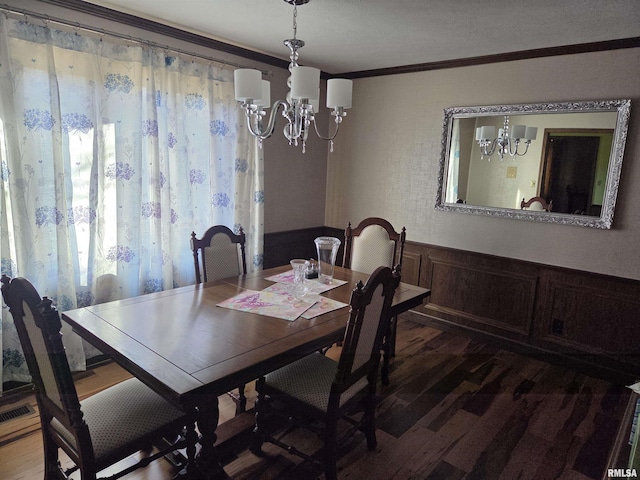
156, 27
632, 42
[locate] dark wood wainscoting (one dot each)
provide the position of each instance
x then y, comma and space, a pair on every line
504, 305
585, 318
568, 315
280, 247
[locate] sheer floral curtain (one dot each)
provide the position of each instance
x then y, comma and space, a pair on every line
111, 154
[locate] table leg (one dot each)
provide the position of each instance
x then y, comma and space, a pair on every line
208, 462
205, 465
191, 436
191, 439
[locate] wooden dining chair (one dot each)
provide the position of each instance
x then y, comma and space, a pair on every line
102, 429
536, 203
221, 253
317, 388
372, 243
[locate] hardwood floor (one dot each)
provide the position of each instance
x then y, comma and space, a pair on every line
455, 409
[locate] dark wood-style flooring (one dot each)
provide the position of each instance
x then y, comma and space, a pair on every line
456, 408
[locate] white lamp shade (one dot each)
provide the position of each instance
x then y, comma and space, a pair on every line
488, 133
531, 133
517, 131
339, 92
265, 96
305, 82
247, 83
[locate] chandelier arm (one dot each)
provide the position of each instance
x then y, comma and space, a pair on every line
315, 127
490, 148
526, 148
252, 116
513, 147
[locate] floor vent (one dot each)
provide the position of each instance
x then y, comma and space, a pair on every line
17, 412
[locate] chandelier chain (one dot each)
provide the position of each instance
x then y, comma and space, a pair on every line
295, 22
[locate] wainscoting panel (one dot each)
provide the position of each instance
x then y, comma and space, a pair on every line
411, 267
599, 316
499, 299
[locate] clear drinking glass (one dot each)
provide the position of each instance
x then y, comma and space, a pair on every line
299, 268
327, 249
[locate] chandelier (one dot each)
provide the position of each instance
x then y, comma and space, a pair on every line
302, 100
508, 140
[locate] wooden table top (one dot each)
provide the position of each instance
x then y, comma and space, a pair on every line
183, 345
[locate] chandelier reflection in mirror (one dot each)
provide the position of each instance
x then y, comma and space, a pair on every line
302, 100
508, 140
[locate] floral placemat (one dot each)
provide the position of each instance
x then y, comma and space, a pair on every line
269, 303
284, 277
320, 306
324, 305
313, 284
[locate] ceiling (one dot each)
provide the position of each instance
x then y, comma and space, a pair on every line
358, 35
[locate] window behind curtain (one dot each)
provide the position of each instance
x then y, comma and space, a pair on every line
112, 154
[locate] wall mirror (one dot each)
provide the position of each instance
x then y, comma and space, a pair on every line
567, 157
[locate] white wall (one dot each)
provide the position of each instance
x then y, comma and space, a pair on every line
385, 162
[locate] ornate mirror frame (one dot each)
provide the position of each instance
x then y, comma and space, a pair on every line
604, 221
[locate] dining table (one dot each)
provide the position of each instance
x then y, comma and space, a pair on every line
191, 344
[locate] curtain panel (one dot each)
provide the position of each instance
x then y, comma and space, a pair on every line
111, 154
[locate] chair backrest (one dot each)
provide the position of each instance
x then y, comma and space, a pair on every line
536, 203
372, 243
38, 324
368, 319
222, 251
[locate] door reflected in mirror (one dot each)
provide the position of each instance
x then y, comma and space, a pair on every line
569, 154
573, 170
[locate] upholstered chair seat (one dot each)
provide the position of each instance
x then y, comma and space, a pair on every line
309, 380
120, 415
